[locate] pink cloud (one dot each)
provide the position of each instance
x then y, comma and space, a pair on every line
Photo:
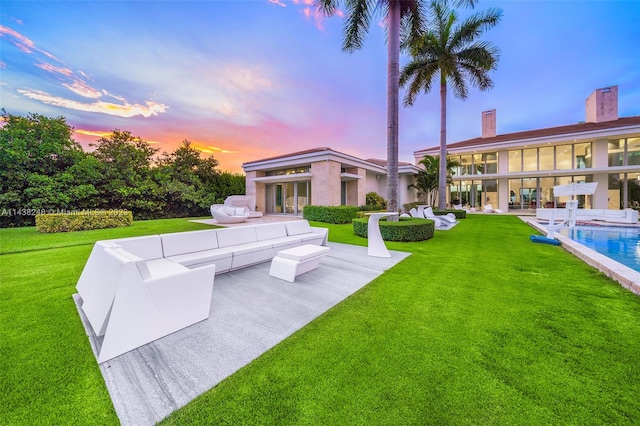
125, 110
56, 70
277, 3
81, 88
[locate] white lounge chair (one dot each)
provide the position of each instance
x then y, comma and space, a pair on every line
488, 208
414, 213
448, 219
226, 214
246, 201
459, 207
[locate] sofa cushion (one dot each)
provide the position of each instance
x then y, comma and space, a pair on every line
236, 236
188, 242
249, 247
298, 227
200, 257
271, 231
147, 248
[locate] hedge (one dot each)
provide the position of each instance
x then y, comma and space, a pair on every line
406, 229
330, 214
83, 220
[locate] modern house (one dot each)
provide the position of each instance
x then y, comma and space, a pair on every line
516, 171
321, 176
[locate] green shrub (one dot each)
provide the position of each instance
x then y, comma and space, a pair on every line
375, 199
330, 214
83, 220
372, 208
406, 229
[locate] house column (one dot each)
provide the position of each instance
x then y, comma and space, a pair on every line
325, 183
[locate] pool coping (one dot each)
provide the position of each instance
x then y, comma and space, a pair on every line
627, 277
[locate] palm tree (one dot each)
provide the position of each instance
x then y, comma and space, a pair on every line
427, 180
453, 53
398, 14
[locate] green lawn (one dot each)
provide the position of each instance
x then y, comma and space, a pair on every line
478, 326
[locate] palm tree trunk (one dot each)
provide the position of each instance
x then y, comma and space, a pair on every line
393, 83
442, 175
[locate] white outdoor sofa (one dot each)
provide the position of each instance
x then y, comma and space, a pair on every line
615, 216
137, 290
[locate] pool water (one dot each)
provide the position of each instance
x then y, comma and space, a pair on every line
621, 244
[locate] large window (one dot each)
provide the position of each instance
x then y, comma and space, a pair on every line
515, 161
616, 152
564, 157
530, 159
561, 157
633, 151
476, 164
546, 158
288, 197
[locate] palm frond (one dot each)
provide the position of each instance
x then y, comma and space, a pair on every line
356, 25
327, 7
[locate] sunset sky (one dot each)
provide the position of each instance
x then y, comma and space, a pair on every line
245, 80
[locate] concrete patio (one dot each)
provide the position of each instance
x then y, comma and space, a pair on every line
251, 312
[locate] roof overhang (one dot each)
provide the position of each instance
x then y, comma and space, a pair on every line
294, 177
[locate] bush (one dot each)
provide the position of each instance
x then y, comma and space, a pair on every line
83, 220
406, 229
375, 199
372, 207
330, 214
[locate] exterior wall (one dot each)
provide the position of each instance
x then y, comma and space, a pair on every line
406, 194
602, 105
362, 188
325, 183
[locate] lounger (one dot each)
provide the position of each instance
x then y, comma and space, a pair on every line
226, 215
448, 219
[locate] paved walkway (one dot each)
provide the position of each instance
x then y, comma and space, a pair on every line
250, 313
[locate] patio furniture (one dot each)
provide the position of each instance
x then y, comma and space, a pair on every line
375, 243
448, 219
137, 290
135, 298
290, 263
226, 214
248, 202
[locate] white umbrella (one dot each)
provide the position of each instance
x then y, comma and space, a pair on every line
575, 189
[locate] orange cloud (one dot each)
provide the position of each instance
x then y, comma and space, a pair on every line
125, 110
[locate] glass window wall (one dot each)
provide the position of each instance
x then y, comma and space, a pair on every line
530, 159
616, 152
491, 162
564, 157
515, 161
582, 152
633, 152
546, 158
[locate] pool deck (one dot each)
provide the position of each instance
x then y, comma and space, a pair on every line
626, 276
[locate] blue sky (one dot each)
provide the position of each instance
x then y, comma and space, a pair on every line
245, 80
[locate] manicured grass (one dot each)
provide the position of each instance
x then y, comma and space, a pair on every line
477, 326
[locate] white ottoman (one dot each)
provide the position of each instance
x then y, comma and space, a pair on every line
290, 263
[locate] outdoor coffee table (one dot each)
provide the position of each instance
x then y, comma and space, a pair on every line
290, 263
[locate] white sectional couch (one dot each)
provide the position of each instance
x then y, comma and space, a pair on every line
614, 216
136, 290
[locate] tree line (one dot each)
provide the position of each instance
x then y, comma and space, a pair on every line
43, 169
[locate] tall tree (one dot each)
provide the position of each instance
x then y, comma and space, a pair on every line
450, 50
405, 15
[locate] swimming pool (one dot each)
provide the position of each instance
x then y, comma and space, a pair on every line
621, 244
